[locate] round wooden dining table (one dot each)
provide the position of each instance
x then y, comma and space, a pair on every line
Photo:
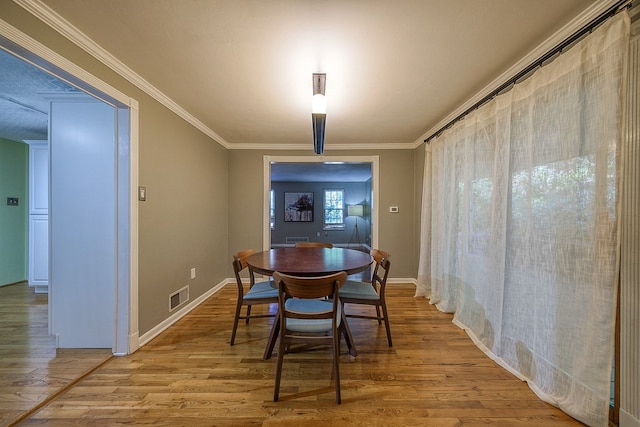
312, 261
308, 261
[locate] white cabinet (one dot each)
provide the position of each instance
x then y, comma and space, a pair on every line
39, 252
39, 215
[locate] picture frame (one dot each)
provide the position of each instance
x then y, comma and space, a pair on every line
298, 206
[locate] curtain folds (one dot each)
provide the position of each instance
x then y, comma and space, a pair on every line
520, 218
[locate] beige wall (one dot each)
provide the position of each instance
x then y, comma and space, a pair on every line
397, 232
183, 222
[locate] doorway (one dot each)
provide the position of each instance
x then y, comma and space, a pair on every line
125, 115
371, 199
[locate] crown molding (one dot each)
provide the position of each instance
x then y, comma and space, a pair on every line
306, 147
62, 26
589, 14
30, 50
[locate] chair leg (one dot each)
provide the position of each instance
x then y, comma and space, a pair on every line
276, 390
378, 315
273, 336
248, 314
336, 363
377, 307
235, 322
386, 322
348, 338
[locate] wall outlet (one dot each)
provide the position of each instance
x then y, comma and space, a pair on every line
394, 209
193, 273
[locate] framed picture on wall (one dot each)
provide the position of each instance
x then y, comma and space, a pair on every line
298, 207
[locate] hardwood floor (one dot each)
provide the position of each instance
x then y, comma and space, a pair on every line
190, 376
31, 369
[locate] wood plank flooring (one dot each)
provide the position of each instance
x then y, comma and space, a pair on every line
190, 376
31, 369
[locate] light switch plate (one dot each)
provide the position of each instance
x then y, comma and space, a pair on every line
142, 194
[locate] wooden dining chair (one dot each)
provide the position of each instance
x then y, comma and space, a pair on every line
311, 313
371, 293
314, 245
263, 292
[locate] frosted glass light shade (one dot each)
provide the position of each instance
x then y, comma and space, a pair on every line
319, 104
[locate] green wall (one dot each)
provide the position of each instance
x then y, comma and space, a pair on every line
14, 166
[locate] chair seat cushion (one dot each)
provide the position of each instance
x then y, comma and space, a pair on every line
262, 290
311, 306
360, 290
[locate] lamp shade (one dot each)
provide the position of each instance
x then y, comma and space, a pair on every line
355, 210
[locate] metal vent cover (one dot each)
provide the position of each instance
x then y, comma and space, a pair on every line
178, 298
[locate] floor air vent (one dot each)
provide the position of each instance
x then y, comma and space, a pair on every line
178, 298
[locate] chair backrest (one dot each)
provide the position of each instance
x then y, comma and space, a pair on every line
309, 288
240, 263
381, 259
314, 245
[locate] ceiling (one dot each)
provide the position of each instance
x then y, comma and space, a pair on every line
24, 108
242, 68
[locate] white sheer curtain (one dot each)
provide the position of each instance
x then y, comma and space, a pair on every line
520, 223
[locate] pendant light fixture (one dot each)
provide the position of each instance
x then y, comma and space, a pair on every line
318, 112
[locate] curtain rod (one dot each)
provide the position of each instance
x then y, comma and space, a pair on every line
613, 10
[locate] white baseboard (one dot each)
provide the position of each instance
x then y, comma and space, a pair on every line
161, 327
627, 420
134, 342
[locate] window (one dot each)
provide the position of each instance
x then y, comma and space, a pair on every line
333, 209
272, 209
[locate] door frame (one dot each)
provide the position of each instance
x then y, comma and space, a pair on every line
33, 52
375, 188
